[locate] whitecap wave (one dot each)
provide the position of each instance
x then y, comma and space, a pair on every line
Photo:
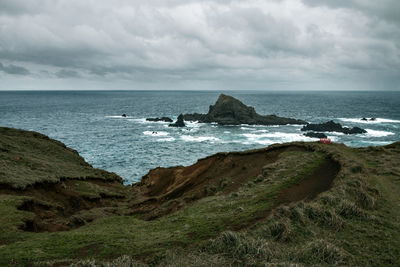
190, 138
155, 133
118, 117
168, 139
194, 124
276, 137
334, 133
142, 120
376, 133
377, 120
261, 131
247, 128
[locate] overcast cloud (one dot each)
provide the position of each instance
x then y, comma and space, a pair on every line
161, 44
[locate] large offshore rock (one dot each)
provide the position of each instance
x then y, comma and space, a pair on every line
230, 111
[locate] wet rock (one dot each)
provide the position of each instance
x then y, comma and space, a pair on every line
316, 135
165, 119
179, 122
230, 111
332, 126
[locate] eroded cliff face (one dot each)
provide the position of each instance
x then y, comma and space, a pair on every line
166, 190
230, 111
57, 185
64, 192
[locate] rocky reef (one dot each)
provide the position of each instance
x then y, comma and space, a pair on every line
231, 111
315, 135
163, 119
179, 122
332, 126
371, 119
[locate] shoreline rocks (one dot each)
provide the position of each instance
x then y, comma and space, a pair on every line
230, 111
315, 135
371, 119
332, 126
179, 122
164, 119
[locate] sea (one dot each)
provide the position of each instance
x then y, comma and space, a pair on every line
91, 122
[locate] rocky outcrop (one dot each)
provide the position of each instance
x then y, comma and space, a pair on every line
332, 126
164, 119
179, 122
316, 135
371, 119
230, 111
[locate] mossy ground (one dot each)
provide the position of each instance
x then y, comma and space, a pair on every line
27, 158
353, 223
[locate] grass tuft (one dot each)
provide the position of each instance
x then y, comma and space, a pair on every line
321, 251
239, 246
281, 230
349, 209
122, 261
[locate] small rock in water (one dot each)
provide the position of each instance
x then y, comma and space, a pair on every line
165, 119
179, 122
332, 126
124, 115
316, 135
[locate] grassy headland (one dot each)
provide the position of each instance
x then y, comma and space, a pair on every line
304, 203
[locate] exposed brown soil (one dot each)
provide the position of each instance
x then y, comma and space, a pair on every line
165, 190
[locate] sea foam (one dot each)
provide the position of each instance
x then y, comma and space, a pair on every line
376, 133
118, 117
189, 138
155, 133
276, 137
376, 121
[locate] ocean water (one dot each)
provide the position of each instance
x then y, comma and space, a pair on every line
91, 123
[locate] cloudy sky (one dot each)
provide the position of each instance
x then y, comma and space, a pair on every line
215, 45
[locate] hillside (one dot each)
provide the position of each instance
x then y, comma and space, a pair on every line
303, 203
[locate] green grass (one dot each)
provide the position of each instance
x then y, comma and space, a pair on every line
27, 158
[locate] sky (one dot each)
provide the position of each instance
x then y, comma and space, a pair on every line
200, 45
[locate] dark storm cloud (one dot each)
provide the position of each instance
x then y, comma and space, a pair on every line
234, 44
384, 9
67, 74
13, 69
